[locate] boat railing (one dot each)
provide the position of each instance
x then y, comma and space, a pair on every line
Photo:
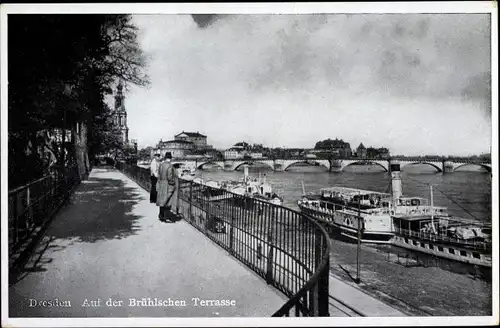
340, 207
444, 238
289, 249
420, 210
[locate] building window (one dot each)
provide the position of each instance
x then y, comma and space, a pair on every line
414, 242
463, 253
431, 246
451, 250
441, 249
476, 255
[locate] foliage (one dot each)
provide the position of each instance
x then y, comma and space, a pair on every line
145, 153
242, 144
61, 68
332, 144
106, 136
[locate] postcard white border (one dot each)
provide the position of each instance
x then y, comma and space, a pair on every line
252, 8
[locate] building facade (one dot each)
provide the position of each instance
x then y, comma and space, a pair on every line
232, 154
256, 155
242, 150
199, 140
178, 148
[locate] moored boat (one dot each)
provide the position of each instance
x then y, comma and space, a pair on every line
351, 211
407, 222
252, 187
186, 172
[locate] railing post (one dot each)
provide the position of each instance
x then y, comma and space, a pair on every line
231, 233
191, 201
324, 283
29, 219
317, 262
206, 205
269, 275
16, 219
178, 189
21, 222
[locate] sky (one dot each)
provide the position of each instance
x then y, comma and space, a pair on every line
414, 83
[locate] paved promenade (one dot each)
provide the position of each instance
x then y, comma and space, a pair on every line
109, 244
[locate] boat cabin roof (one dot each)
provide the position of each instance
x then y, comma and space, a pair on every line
423, 200
413, 201
412, 218
353, 191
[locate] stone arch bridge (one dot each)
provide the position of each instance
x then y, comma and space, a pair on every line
441, 165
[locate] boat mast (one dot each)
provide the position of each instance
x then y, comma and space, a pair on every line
432, 210
245, 170
359, 239
396, 188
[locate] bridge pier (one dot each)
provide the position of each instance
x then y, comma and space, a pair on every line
278, 165
447, 167
331, 165
392, 162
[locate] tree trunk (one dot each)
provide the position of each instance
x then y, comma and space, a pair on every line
81, 150
34, 160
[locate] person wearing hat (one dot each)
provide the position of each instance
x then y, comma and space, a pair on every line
155, 163
165, 187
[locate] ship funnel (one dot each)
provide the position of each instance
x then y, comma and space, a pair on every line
245, 170
397, 189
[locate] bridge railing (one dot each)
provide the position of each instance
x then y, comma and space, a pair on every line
31, 206
287, 248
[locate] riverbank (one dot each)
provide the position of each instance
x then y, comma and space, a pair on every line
415, 290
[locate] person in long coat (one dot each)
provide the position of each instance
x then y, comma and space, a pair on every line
165, 187
155, 163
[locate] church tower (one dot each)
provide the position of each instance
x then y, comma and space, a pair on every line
120, 116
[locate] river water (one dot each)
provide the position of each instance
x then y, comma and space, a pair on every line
466, 193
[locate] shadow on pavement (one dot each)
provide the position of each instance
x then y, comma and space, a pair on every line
99, 209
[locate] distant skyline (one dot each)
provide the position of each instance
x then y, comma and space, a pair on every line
414, 83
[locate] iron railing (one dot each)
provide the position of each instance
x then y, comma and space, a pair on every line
31, 206
289, 249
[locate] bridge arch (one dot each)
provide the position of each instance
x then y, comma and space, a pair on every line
438, 168
236, 167
199, 166
320, 162
488, 168
365, 162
